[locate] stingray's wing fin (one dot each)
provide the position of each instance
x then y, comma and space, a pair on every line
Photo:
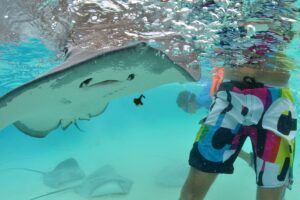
31, 129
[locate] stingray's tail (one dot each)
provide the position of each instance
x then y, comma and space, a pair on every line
24, 169
54, 192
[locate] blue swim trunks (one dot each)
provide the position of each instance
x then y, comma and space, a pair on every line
249, 109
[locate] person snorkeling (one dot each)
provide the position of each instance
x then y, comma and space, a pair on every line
254, 101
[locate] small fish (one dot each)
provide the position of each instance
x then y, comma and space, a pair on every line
131, 77
138, 101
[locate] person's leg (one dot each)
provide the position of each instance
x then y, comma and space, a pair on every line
216, 146
270, 193
247, 157
272, 152
273, 165
197, 185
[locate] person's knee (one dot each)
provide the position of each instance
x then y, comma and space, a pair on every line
270, 193
191, 193
186, 196
197, 185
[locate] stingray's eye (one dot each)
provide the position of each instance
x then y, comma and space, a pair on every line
85, 83
65, 50
131, 77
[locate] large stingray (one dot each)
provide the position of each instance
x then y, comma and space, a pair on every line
103, 182
65, 173
82, 86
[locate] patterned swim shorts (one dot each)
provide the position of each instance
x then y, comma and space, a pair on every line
248, 108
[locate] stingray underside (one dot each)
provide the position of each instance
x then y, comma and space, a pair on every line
82, 87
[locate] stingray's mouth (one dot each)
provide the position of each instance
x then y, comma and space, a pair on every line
106, 82
87, 82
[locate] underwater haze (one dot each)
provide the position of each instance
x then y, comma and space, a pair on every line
148, 145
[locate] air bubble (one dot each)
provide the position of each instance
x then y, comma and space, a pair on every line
250, 30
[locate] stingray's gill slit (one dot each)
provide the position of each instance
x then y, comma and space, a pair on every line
85, 83
76, 125
131, 77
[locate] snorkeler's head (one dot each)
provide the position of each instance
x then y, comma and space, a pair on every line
187, 101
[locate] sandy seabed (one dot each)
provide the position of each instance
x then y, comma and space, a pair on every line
149, 145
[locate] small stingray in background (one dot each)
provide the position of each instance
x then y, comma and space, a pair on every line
103, 182
66, 172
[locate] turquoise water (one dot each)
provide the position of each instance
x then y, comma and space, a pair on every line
147, 144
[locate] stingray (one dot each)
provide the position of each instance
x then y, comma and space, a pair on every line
103, 182
65, 173
82, 86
